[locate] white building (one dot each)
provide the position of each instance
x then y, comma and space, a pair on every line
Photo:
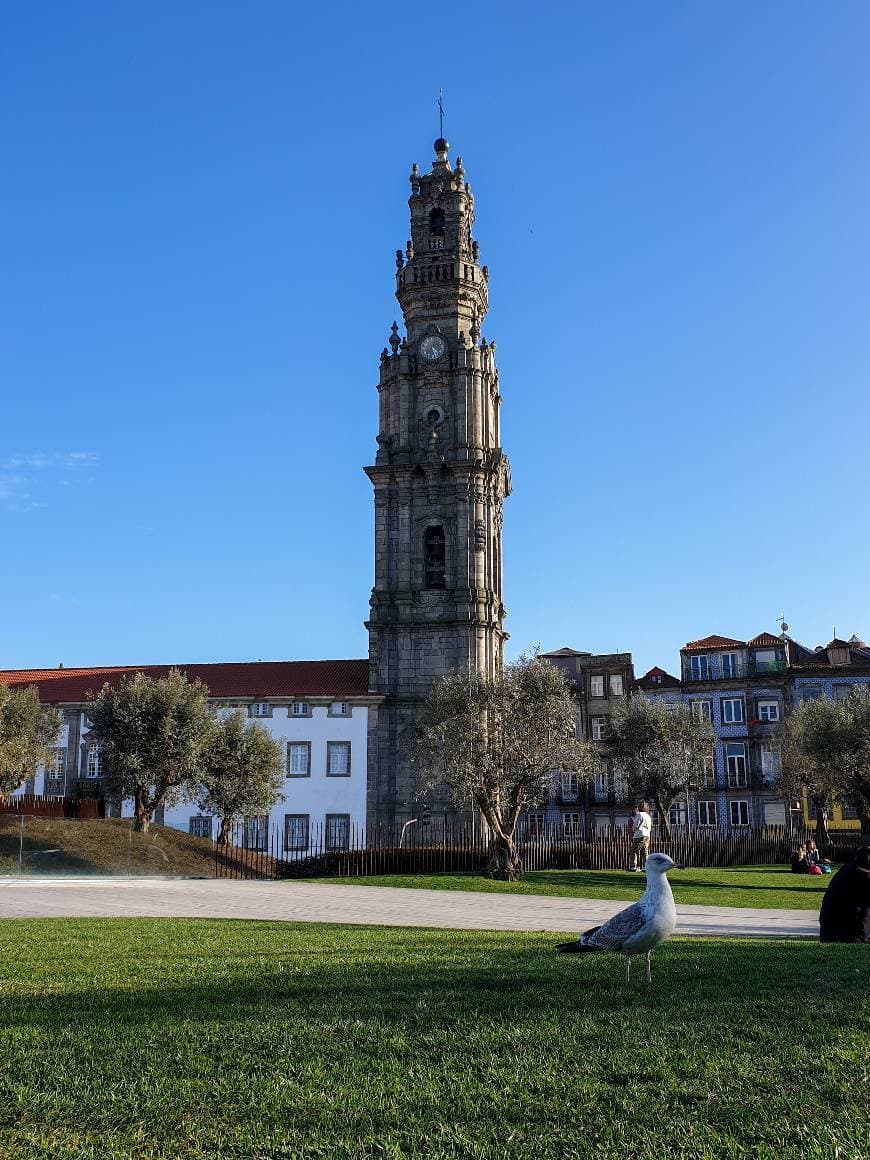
318, 710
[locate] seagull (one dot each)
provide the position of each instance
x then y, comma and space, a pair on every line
639, 928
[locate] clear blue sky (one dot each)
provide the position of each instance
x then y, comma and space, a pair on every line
200, 207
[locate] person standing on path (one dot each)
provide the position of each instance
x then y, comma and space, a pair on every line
845, 913
641, 828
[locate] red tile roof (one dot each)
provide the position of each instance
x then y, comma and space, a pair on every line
712, 642
764, 640
657, 678
232, 679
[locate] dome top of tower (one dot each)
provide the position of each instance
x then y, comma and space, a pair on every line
442, 145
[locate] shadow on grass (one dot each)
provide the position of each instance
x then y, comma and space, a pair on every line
620, 879
426, 978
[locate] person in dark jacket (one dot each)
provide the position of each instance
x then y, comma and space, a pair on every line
845, 913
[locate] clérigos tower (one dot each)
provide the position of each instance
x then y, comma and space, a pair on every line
439, 480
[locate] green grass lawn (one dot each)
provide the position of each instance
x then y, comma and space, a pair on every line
192, 1039
763, 886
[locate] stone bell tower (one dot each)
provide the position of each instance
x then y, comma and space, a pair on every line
439, 481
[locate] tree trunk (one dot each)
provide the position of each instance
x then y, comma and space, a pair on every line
141, 816
223, 838
504, 862
823, 838
865, 829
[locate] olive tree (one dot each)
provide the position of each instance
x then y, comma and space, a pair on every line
27, 731
494, 742
826, 755
661, 747
151, 734
241, 771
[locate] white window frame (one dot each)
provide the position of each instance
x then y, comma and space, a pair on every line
726, 720
677, 814
745, 810
335, 747
764, 710
731, 661
300, 709
811, 693
708, 771
535, 824
702, 709
697, 670
261, 709
708, 812
339, 709
598, 728
596, 685
735, 765
57, 765
616, 685
771, 758
600, 783
571, 824
94, 762
570, 786
294, 748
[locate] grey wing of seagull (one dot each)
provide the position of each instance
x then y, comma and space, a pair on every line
611, 935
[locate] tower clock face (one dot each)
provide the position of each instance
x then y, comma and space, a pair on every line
432, 347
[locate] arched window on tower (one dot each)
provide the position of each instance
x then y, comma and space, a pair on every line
436, 229
434, 558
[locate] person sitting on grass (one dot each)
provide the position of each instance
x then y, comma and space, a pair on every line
799, 863
814, 857
845, 913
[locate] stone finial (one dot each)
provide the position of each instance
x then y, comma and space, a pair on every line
404, 346
462, 341
474, 331
485, 270
415, 172
394, 337
409, 250
475, 249
492, 346
400, 260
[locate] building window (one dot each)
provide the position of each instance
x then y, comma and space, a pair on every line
570, 787
200, 826
57, 764
730, 665
600, 783
732, 710
300, 709
256, 832
436, 223
768, 710
339, 709
841, 692
95, 761
735, 763
296, 831
699, 667
571, 825
765, 660
811, 693
598, 725
677, 814
702, 710
739, 812
596, 686
616, 684
771, 759
707, 813
337, 831
261, 709
338, 759
434, 558
298, 758
708, 771
535, 825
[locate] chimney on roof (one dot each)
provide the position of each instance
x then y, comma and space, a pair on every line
60, 666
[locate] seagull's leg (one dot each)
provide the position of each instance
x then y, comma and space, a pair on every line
627, 968
649, 966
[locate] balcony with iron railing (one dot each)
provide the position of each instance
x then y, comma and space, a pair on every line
734, 671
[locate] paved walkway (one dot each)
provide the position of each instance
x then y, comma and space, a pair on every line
369, 905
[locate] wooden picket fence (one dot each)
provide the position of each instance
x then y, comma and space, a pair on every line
34, 805
263, 852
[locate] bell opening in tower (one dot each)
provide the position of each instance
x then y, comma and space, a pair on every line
434, 557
